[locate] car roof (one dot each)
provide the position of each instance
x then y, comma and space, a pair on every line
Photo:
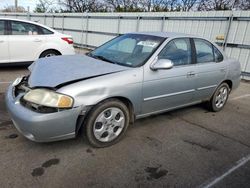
27, 21
165, 34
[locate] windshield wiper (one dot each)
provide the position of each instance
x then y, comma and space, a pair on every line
101, 58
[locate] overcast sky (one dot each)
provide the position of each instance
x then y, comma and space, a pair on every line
24, 3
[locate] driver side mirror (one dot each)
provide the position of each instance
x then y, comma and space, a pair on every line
162, 64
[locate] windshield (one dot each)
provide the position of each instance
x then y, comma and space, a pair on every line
129, 50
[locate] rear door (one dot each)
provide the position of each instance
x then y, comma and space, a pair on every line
25, 41
210, 68
4, 44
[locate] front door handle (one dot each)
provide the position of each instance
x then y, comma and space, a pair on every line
1, 41
190, 74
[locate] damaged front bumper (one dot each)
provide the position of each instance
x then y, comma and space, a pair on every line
41, 127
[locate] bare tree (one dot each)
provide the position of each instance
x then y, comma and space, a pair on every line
216, 4
186, 5
123, 5
151, 5
44, 6
241, 5
81, 5
170, 5
158, 5
139, 5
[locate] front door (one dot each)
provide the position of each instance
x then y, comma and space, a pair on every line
175, 87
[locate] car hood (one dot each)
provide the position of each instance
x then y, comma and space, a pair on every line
62, 70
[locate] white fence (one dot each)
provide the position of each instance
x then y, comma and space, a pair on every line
92, 29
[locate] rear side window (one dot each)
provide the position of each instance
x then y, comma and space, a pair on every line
178, 51
1, 27
22, 28
217, 55
204, 51
45, 31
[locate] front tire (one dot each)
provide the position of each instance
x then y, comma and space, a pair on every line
107, 123
219, 98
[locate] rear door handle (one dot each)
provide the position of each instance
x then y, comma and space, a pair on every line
37, 40
1, 41
190, 74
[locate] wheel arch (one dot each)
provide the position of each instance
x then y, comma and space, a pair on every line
124, 100
130, 106
229, 83
50, 49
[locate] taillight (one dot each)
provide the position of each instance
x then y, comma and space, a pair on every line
68, 40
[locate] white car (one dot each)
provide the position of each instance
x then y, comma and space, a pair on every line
22, 42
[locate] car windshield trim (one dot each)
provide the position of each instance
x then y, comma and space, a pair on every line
101, 58
106, 60
128, 55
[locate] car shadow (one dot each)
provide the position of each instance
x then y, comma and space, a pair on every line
172, 114
147, 121
16, 66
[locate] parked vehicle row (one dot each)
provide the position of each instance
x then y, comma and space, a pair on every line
23, 42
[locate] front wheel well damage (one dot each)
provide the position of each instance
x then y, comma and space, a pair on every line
126, 101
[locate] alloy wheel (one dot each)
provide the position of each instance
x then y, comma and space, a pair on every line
221, 97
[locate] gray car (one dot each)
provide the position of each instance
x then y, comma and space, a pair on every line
132, 76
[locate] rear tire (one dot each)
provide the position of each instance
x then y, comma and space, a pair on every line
49, 53
219, 98
107, 123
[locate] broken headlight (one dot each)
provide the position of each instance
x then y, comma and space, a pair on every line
48, 98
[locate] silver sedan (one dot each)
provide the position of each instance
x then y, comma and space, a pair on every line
132, 76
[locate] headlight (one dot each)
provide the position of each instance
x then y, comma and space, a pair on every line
48, 98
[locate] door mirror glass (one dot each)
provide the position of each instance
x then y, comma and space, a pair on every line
162, 64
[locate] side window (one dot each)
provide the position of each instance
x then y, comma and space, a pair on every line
217, 54
22, 28
1, 27
178, 51
204, 51
45, 31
